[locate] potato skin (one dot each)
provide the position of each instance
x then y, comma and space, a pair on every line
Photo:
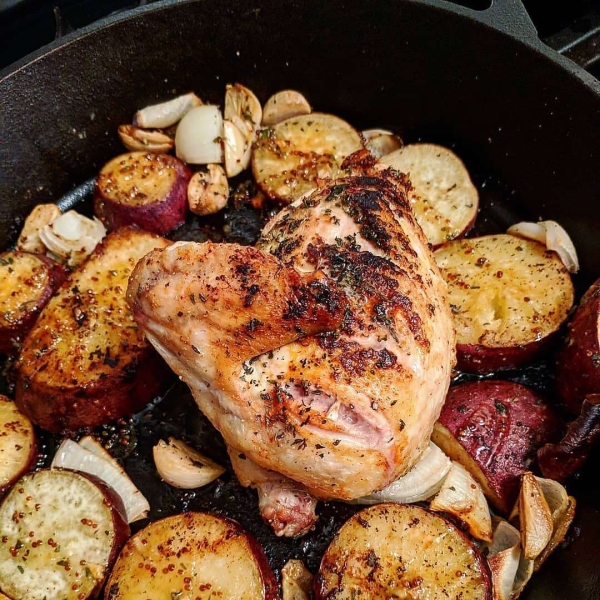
578, 361
31, 280
500, 425
144, 189
85, 362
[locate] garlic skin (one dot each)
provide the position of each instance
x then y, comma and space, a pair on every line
199, 135
165, 114
72, 237
208, 192
284, 105
29, 238
136, 139
182, 466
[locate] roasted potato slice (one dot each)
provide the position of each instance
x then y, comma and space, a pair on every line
402, 551
507, 295
85, 362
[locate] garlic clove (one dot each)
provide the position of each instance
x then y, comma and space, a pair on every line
296, 581
40, 216
208, 191
167, 113
135, 139
284, 105
241, 103
380, 142
535, 517
182, 466
238, 149
72, 237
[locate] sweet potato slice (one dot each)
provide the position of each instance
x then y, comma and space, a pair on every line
507, 295
399, 550
192, 555
494, 428
85, 362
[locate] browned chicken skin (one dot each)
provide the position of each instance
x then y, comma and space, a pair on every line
324, 355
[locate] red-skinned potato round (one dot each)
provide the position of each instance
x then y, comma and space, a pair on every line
28, 282
508, 298
67, 522
210, 554
144, 189
578, 361
494, 429
18, 443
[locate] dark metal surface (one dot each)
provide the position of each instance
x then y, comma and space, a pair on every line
422, 69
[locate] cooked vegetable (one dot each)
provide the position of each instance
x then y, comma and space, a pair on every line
145, 140
445, 201
398, 550
72, 237
462, 497
40, 216
494, 428
144, 189
507, 296
192, 555
553, 236
504, 554
182, 466
91, 460
237, 148
85, 362
242, 104
208, 191
18, 444
167, 113
28, 282
199, 136
534, 516
578, 361
420, 483
563, 459
60, 532
561, 527
290, 158
284, 105
296, 581
380, 142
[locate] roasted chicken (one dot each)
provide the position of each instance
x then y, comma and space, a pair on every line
324, 354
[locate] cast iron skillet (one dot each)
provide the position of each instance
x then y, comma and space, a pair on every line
525, 120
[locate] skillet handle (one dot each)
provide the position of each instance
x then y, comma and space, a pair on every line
509, 16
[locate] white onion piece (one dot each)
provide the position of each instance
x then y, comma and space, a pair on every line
553, 236
238, 149
421, 482
462, 497
167, 113
198, 139
182, 466
72, 237
70, 455
503, 557
380, 142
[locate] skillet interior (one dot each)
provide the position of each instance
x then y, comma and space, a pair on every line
511, 113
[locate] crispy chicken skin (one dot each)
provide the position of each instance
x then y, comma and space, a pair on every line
325, 353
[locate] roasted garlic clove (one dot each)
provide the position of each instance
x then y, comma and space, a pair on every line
167, 113
72, 237
284, 105
237, 147
40, 216
182, 466
135, 139
241, 103
296, 581
208, 191
380, 142
535, 517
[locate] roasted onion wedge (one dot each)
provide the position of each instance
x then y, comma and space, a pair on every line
18, 444
507, 296
60, 532
291, 157
398, 550
445, 201
192, 555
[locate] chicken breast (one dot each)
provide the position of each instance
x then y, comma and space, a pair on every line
325, 353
